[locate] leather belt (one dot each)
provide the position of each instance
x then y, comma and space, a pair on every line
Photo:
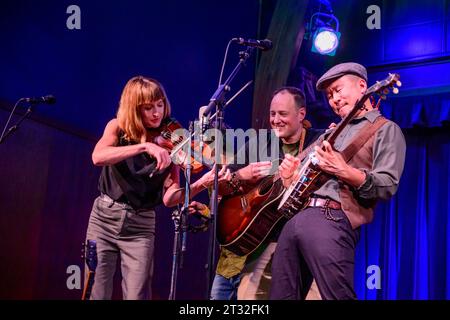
324, 203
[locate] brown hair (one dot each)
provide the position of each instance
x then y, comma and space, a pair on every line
299, 96
138, 91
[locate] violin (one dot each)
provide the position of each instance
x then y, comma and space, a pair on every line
167, 137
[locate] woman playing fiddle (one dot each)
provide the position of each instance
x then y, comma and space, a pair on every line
137, 176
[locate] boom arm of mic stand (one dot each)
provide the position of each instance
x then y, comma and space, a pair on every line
182, 144
16, 126
219, 96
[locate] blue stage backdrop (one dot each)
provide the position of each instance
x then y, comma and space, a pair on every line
410, 236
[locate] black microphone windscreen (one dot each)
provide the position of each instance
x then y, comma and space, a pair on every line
50, 99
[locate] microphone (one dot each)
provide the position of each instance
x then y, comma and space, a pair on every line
204, 123
264, 45
49, 99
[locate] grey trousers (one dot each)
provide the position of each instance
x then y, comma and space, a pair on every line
126, 234
314, 246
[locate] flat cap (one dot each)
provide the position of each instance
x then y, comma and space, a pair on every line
340, 70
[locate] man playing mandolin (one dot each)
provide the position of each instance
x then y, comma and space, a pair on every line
319, 241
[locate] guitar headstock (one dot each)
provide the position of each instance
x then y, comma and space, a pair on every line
383, 87
89, 254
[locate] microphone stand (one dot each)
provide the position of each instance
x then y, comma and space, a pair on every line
5, 133
183, 145
217, 101
180, 219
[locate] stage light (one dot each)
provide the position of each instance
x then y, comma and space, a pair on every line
325, 36
325, 41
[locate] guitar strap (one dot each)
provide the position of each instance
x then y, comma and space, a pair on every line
302, 140
357, 143
304, 153
367, 131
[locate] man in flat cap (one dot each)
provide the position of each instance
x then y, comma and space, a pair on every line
319, 242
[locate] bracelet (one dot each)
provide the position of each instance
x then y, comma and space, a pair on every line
234, 182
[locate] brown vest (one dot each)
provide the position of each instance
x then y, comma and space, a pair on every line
360, 211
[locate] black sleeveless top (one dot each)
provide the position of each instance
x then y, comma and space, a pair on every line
129, 180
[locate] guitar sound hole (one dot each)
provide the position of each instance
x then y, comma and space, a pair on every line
265, 187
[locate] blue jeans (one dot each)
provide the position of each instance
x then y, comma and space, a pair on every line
225, 289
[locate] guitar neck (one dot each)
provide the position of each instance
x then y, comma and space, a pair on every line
88, 286
341, 125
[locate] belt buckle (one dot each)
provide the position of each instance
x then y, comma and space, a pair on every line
310, 203
314, 201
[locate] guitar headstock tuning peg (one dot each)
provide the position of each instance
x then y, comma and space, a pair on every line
385, 91
395, 90
398, 83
